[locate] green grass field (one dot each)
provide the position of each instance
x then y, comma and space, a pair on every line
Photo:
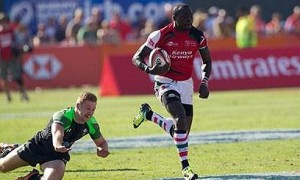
223, 111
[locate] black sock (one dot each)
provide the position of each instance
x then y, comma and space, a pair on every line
185, 163
172, 130
149, 115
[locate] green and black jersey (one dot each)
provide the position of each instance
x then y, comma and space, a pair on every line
72, 130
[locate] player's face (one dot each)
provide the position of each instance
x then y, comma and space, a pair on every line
87, 109
184, 19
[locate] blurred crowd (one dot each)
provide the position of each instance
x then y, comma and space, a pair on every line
214, 22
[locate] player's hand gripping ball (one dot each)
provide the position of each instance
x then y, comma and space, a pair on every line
203, 91
159, 61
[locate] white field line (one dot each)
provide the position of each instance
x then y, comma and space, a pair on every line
265, 176
11, 116
195, 138
206, 138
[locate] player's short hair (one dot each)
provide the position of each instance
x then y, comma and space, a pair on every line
86, 96
178, 8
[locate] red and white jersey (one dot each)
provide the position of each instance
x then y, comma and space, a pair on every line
292, 23
6, 44
181, 48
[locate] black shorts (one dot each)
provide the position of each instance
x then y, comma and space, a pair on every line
34, 153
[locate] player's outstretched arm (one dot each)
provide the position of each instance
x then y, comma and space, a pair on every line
102, 147
57, 131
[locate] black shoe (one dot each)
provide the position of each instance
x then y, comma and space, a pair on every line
141, 117
6, 148
32, 175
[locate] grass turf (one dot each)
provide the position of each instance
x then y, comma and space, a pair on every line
231, 110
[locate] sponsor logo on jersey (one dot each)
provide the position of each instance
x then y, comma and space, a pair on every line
189, 43
85, 131
171, 43
181, 54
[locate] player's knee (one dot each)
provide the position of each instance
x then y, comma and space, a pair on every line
2, 168
170, 96
53, 170
53, 176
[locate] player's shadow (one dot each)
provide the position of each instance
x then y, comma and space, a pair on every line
97, 170
88, 170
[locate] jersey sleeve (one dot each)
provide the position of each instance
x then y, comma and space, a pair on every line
199, 37
94, 128
153, 39
203, 43
60, 118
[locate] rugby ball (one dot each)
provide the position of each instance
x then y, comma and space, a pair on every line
160, 58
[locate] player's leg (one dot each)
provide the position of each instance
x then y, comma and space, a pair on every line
53, 170
4, 79
17, 72
189, 116
165, 93
180, 136
6, 148
146, 114
173, 105
186, 93
12, 161
20, 82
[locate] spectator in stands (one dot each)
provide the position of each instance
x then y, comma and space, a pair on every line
50, 29
167, 15
107, 35
259, 23
87, 34
97, 15
41, 37
275, 25
200, 18
60, 31
73, 26
148, 28
121, 25
223, 25
292, 23
245, 29
212, 14
137, 24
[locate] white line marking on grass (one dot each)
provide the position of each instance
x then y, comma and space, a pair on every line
206, 138
10, 116
195, 138
270, 176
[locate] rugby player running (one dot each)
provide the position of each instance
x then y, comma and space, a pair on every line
50, 147
174, 89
